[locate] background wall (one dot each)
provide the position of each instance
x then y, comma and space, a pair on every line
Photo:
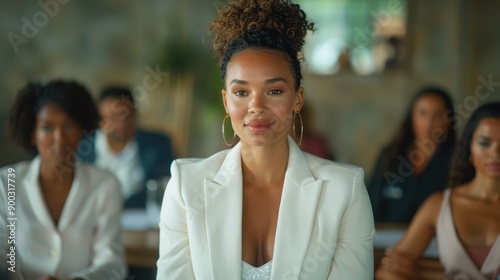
449, 43
453, 43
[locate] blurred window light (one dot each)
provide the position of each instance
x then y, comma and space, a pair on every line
325, 55
359, 36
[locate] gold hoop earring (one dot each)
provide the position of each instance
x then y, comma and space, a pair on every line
301, 127
224, 135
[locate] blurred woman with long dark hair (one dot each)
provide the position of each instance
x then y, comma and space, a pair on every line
416, 162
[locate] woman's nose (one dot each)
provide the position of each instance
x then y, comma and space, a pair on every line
495, 153
257, 104
59, 136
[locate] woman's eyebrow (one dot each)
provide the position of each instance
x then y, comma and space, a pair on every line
275, 80
269, 81
240, 82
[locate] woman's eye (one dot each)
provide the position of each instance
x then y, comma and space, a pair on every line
240, 93
46, 127
275, 92
484, 144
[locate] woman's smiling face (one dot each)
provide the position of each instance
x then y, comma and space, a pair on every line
56, 134
260, 96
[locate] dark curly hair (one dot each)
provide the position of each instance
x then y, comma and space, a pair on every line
117, 92
70, 96
278, 25
405, 136
462, 170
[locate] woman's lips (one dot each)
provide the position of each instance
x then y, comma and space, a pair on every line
494, 166
60, 152
258, 125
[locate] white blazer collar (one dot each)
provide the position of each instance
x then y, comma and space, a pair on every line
223, 202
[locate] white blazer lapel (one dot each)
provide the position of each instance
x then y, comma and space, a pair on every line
76, 197
223, 203
297, 211
35, 196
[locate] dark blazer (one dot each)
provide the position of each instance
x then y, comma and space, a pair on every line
397, 194
155, 154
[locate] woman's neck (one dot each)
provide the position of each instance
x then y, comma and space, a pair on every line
264, 165
485, 187
425, 147
420, 154
57, 174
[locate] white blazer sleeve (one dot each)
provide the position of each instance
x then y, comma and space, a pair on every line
108, 261
175, 257
353, 258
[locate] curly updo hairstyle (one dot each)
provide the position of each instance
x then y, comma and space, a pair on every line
71, 97
277, 25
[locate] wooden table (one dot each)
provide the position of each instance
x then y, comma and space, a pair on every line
141, 247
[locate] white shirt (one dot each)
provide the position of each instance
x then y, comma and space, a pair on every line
125, 165
85, 243
250, 272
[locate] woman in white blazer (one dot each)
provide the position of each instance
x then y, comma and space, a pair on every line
264, 209
63, 220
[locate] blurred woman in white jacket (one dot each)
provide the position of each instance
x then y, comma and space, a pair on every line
60, 218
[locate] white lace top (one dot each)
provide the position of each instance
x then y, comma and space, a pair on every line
249, 272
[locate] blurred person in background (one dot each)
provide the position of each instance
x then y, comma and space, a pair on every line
68, 212
134, 155
465, 217
416, 162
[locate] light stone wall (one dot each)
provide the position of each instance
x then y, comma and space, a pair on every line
450, 43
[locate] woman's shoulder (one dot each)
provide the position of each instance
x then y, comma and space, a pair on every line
326, 166
11, 175
434, 202
449, 193
19, 169
437, 197
193, 164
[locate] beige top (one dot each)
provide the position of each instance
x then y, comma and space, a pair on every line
457, 263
